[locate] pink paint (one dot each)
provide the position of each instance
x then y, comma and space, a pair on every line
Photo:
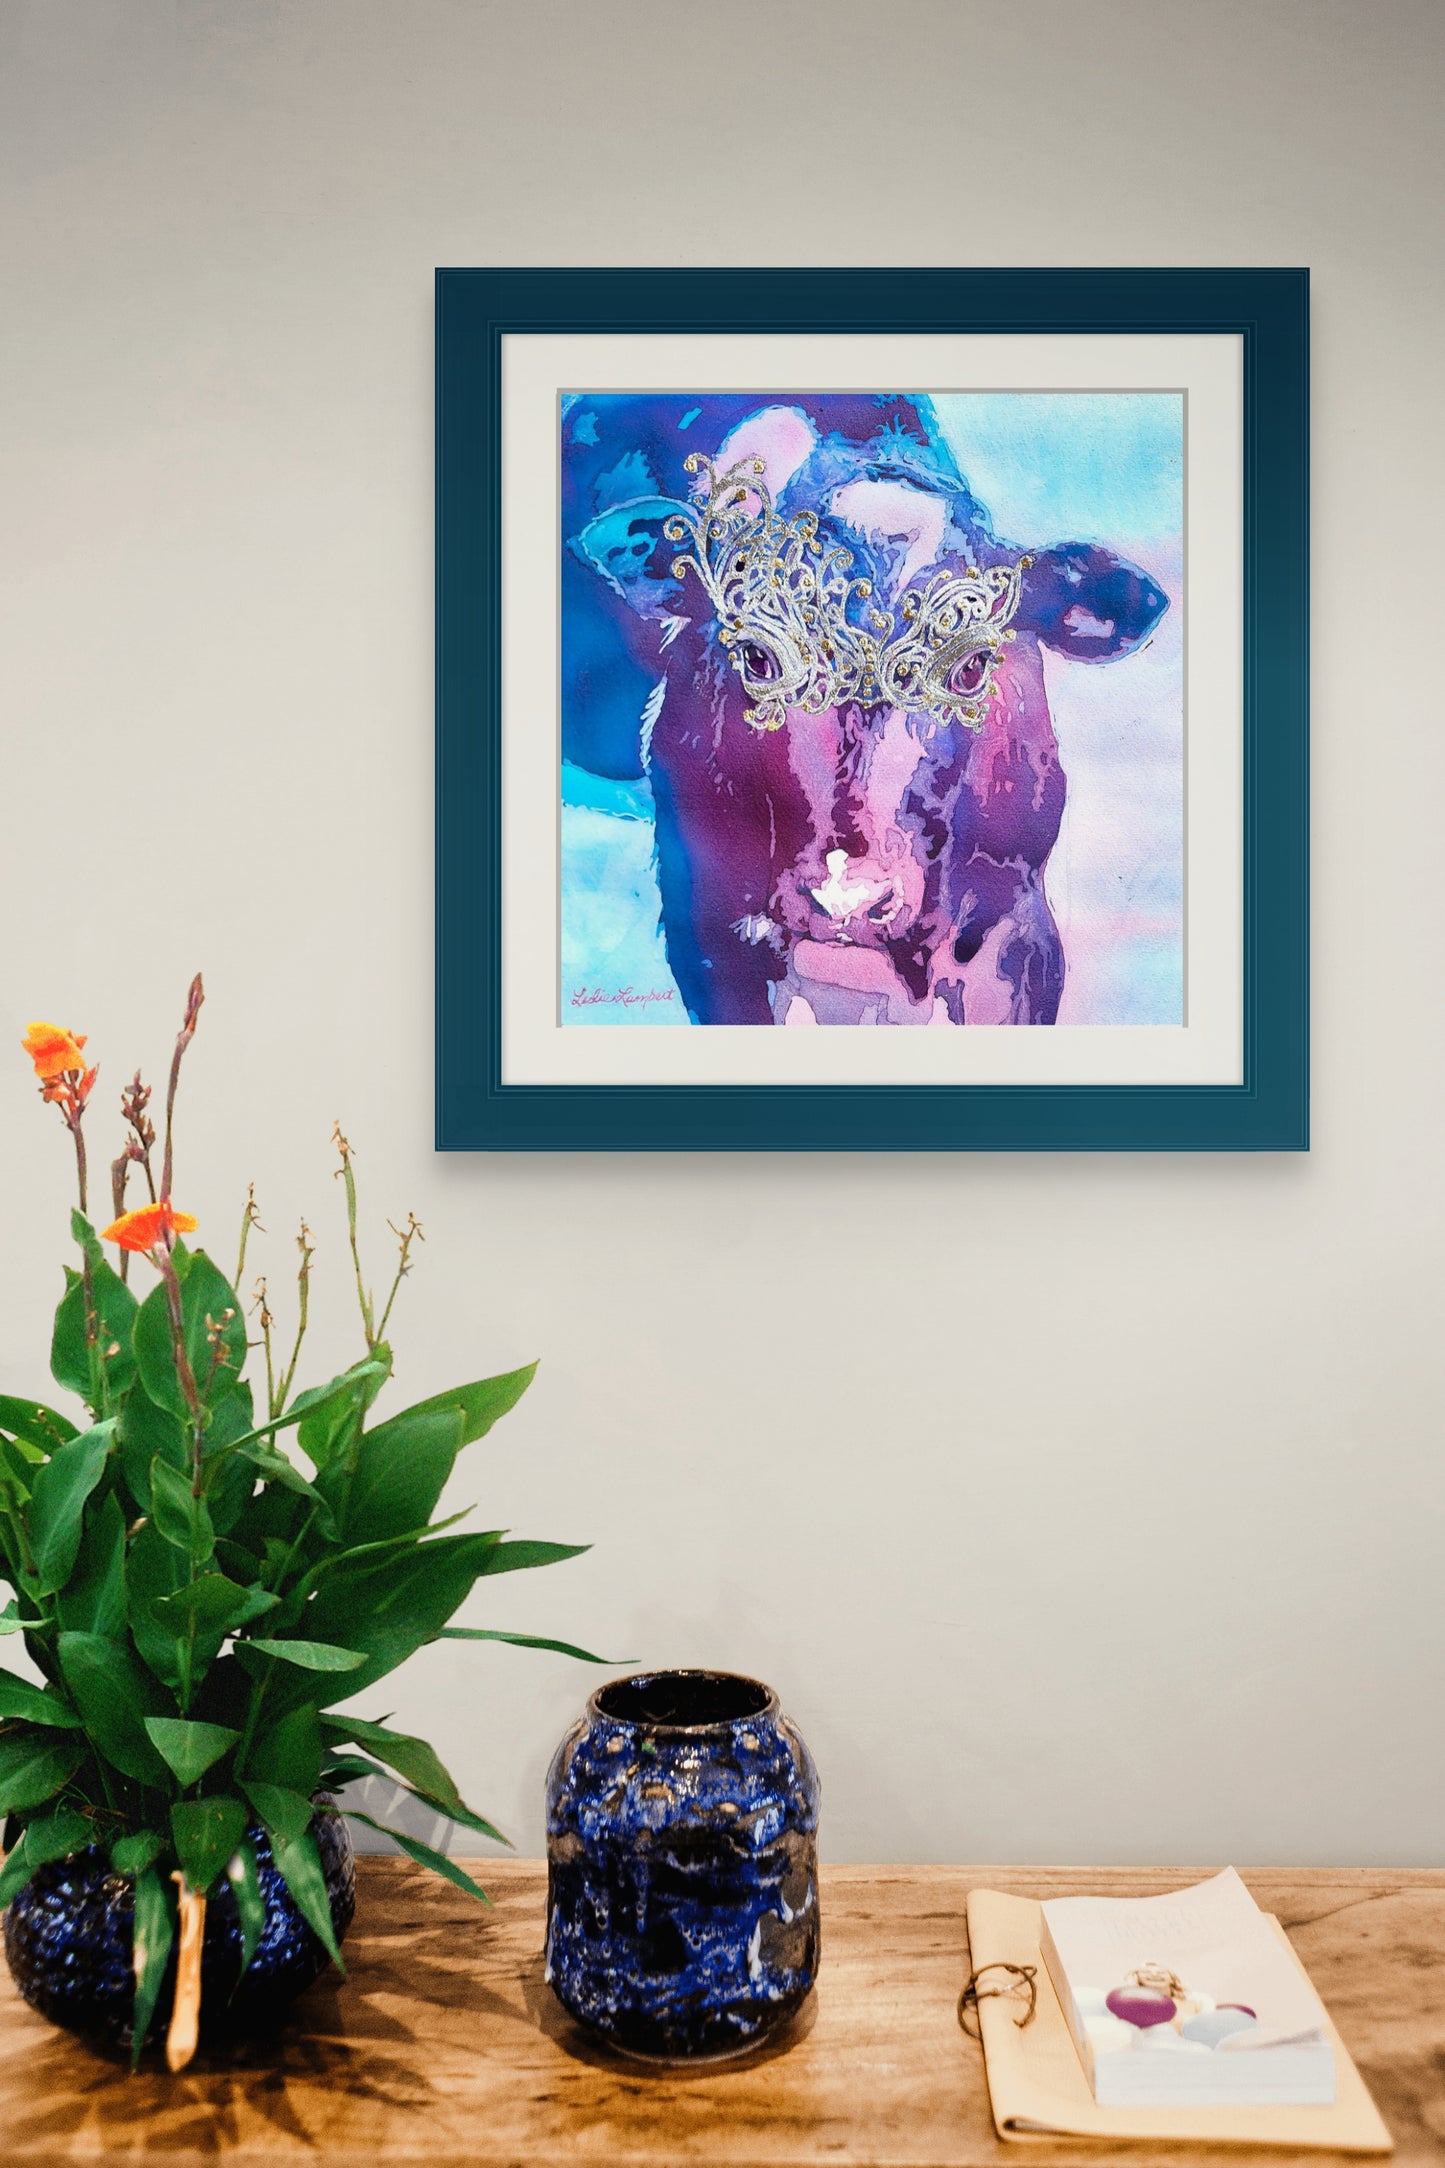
780, 436
892, 512
862, 970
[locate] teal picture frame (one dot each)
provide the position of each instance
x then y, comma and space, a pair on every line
1268, 1109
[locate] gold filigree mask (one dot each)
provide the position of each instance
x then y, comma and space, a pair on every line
781, 595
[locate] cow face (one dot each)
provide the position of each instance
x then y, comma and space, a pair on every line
856, 774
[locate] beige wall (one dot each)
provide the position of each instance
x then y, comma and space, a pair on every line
1111, 1528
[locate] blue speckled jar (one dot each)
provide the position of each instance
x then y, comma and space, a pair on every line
682, 1902
68, 1942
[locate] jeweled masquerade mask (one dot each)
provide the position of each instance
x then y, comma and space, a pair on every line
781, 596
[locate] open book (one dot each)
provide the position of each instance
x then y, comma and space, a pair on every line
1038, 2088
1186, 1997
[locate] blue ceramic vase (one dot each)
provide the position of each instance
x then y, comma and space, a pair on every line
68, 1941
682, 1904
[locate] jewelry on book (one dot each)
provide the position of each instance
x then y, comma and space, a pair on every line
1153, 1996
781, 597
1024, 1982
1161, 1978
1141, 2006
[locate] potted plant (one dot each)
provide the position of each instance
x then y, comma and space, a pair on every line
194, 1596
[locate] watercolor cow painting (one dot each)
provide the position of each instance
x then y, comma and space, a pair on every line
791, 620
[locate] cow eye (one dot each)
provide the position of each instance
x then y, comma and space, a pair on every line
969, 673
761, 666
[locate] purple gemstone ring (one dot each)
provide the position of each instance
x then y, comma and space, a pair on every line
1142, 2006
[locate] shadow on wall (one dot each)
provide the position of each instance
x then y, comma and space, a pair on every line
401, 1809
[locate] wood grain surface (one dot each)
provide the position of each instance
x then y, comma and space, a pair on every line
445, 2046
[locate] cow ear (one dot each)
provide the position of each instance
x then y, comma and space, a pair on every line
1087, 603
628, 548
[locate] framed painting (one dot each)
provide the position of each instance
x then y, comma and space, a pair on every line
872, 709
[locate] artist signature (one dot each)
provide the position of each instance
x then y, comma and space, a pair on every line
627, 997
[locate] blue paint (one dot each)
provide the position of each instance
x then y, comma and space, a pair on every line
682, 1909
68, 1937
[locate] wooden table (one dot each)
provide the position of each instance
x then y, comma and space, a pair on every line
444, 2046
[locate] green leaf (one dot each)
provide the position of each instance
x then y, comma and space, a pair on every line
34, 1424
207, 1832
374, 1555
522, 1557
229, 1479
156, 1355
413, 1759
198, 1616
310, 1655
288, 1753
276, 1468
271, 1523
55, 1836
390, 1604
34, 1765
207, 1300
331, 1415
213, 1334
155, 1929
425, 1856
350, 1769
154, 1570
239, 1564
400, 1472
345, 1769
36, 1704
82, 1232
128, 1855
115, 1695
17, 1472
480, 1405
212, 1604
57, 1504
285, 1813
16, 1871
299, 1863
180, 1516
526, 1641
11, 1622
115, 1315
251, 1905
191, 1748
366, 1377
93, 1599
145, 1431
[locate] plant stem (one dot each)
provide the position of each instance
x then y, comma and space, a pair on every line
80, 1167
194, 998
299, 1538
405, 1236
186, 2009
161, 1258
253, 1714
266, 1323
303, 1286
250, 1218
119, 1176
349, 1179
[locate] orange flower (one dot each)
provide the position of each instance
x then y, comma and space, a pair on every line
143, 1229
53, 1050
